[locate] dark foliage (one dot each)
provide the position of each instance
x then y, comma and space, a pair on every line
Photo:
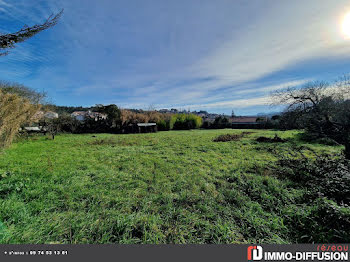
221, 122
321, 222
323, 213
328, 176
163, 125
322, 109
276, 139
185, 121
113, 121
63, 124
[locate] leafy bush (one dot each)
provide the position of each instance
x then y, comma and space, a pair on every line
64, 123
163, 125
221, 122
185, 122
129, 118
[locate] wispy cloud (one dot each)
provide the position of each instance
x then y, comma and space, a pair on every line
201, 54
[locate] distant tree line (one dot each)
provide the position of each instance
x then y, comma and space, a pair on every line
120, 121
218, 123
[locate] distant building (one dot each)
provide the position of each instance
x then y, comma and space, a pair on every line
147, 127
248, 122
41, 115
83, 115
50, 115
32, 129
79, 115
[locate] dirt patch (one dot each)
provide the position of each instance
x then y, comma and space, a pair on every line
247, 133
103, 141
231, 137
276, 139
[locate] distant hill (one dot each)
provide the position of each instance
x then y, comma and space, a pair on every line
270, 114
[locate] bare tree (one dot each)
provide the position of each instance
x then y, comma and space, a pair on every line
25, 92
323, 108
8, 41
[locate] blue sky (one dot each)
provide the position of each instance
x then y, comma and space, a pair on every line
199, 55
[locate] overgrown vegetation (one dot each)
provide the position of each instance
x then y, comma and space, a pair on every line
321, 108
325, 180
275, 139
230, 137
185, 121
15, 110
219, 122
167, 187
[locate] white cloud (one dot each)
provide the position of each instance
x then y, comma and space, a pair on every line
285, 35
3, 3
179, 53
270, 88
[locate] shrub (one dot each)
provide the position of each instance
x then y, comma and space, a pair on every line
185, 122
64, 123
14, 112
163, 125
221, 122
129, 118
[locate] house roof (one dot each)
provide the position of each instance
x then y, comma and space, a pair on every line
244, 119
88, 113
248, 119
32, 128
79, 113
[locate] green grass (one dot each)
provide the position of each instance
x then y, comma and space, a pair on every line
168, 187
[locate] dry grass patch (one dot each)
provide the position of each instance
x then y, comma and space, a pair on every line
231, 137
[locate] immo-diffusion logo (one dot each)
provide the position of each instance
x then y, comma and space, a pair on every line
332, 253
255, 253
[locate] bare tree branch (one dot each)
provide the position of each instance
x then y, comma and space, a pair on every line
8, 41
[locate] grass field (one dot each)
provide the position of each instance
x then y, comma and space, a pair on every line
167, 187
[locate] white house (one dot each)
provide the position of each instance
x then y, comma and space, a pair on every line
51, 115
83, 115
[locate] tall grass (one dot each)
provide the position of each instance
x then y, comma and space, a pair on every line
165, 187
